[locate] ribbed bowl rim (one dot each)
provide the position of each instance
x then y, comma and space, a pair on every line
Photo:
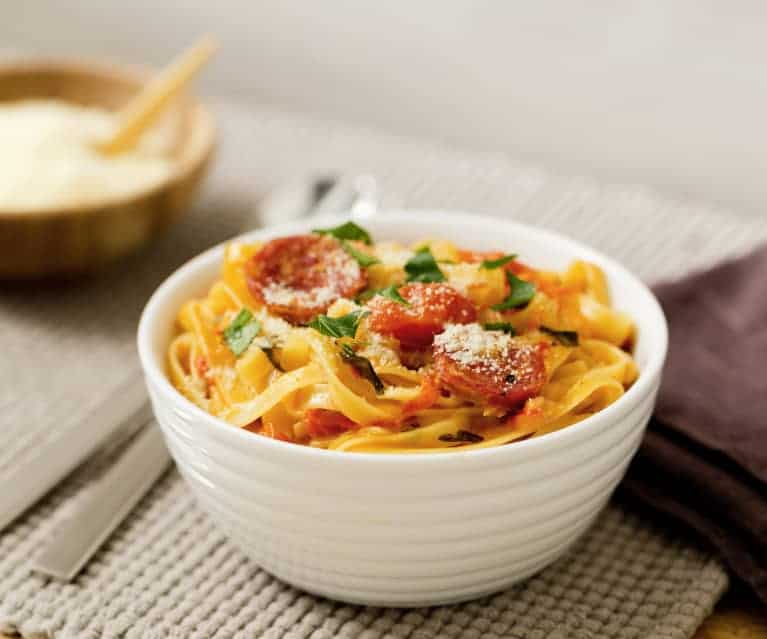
654, 325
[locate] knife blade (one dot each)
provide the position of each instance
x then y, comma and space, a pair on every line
61, 455
105, 505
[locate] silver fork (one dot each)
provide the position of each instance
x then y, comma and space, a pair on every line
356, 195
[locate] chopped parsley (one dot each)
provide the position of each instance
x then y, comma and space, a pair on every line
519, 297
347, 231
241, 332
506, 327
363, 367
566, 338
462, 436
344, 326
363, 259
422, 267
501, 261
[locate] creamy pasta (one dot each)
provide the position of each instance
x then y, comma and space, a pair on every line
334, 341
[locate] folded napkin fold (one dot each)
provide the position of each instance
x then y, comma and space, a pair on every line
704, 458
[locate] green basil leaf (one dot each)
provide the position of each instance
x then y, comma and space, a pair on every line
392, 292
506, 327
347, 231
567, 338
521, 293
344, 326
463, 436
501, 261
241, 332
363, 259
422, 267
363, 366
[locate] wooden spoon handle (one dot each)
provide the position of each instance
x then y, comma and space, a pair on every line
142, 111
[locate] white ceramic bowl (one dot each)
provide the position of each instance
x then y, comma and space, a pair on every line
406, 530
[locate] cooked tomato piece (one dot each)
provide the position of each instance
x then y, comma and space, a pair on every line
488, 365
203, 371
201, 364
519, 268
299, 277
430, 306
322, 422
253, 427
267, 430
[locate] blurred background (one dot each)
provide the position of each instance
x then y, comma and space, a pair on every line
670, 94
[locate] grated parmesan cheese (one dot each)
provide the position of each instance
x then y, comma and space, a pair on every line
226, 374
281, 295
275, 328
340, 272
378, 349
47, 158
470, 343
490, 353
462, 277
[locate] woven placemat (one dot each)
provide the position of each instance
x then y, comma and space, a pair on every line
168, 572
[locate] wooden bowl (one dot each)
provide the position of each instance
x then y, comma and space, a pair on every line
70, 240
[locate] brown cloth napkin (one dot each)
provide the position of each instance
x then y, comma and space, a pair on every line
704, 458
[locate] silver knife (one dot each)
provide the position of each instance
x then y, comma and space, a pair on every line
106, 503
54, 461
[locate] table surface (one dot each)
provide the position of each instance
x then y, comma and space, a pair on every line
737, 616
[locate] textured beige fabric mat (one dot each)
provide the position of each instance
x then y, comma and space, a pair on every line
168, 572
